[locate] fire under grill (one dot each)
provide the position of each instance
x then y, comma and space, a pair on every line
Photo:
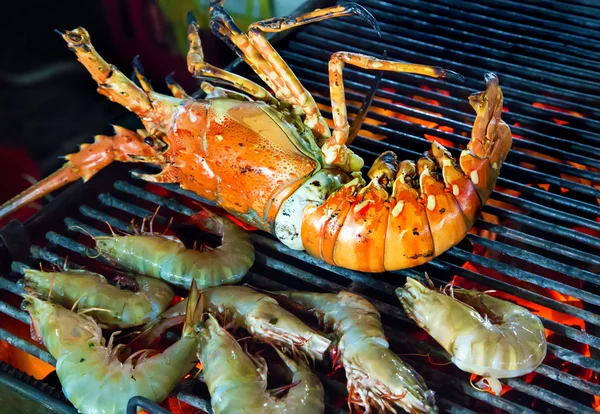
537, 242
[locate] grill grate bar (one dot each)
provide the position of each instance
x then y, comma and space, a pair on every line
328, 39
24, 345
81, 249
131, 189
570, 12
390, 144
309, 46
67, 243
262, 260
454, 108
529, 277
455, 137
501, 212
536, 259
538, 242
357, 276
545, 395
536, 33
574, 357
573, 26
314, 72
568, 379
397, 36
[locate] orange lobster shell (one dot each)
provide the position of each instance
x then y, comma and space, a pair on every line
272, 162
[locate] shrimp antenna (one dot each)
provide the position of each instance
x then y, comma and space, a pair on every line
429, 281
51, 285
111, 229
168, 226
87, 251
152, 219
81, 312
114, 351
77, 302
111, 339
83, 230
132, 356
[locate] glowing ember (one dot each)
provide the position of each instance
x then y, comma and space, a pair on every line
537, 309
442, 141
557, 109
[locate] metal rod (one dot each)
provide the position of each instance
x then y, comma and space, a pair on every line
27, 347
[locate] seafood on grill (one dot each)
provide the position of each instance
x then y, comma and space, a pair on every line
272, 161
484, 335
377, 378
260, 315
91, 375
237, 381
166, 257
111, 306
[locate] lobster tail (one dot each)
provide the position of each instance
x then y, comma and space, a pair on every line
411, 212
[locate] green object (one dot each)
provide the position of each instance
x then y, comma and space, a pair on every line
244, 12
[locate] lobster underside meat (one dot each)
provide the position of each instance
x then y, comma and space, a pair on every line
271, 160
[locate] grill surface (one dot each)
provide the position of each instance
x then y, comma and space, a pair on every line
541, 227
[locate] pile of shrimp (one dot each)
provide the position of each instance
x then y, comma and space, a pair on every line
225, 325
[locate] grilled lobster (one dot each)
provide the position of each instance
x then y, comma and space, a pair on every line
272, 161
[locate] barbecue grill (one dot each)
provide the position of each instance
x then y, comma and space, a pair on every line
536, 243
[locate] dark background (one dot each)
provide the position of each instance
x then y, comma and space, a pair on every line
48, 101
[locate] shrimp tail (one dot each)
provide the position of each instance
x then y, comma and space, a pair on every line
194, 310
208, 222
409, 294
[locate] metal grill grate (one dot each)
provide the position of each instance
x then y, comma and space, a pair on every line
541, 226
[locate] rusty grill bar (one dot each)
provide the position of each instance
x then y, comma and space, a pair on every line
546, 234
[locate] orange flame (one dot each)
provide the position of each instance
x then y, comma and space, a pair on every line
557, 109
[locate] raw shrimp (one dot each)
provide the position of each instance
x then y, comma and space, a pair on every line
484, 335
117, 308
167, 258
237, 382
377, 377
261, 316
92, 377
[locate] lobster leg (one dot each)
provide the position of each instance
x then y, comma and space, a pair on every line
305, 100
176, 88
125, 146
198, 67
155, 110
335, 150
268, 64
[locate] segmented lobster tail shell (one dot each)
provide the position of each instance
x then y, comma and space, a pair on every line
411, 212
